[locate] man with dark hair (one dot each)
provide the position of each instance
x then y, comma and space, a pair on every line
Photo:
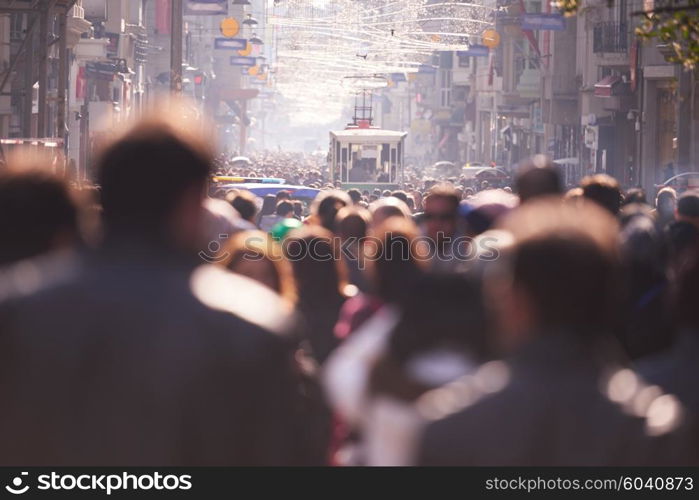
561, 396
635, 195
536, 177
244, 203
37, 215
603, 190
283, 195
285, 209
688, 208
439, 222
143, 356
665, 203
355, 195
401, 195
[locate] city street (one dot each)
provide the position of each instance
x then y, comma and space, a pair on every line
349, 233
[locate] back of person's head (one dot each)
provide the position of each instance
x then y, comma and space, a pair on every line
354, 195
393, 258
443, 312
563, 266
445, 192
352, 222
283, 195
411, 203
269, 204
37, 213
298, 208
401, 195
383, 208
666, 200
482, 210
285, 209
537, 177
314, 259
244, 203
326, 206
635, 195
255, 255
688, 205
154, 174
603, 190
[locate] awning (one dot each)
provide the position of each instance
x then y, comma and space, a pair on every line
606, 86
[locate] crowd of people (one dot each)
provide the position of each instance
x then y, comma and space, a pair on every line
143, 322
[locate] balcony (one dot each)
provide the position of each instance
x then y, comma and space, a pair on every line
610, 37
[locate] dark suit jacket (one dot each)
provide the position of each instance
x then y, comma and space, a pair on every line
677, 371
553, 411
140, 359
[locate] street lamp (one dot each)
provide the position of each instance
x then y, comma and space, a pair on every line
255, 40
250, 21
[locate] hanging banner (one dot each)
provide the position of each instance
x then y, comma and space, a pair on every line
162, 17
230, 43
541, 22
474, 51
206, 7
242, 61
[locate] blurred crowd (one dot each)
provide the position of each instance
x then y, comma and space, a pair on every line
143, 322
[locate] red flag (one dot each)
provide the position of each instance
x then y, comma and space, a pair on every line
80, 84
163, 10
529, 33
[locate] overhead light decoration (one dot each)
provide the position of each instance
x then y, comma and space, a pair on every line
322, 42
255, 40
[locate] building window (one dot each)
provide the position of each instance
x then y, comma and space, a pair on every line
445, 88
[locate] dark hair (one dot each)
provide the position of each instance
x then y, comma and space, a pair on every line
352, 222
538, 177
283, 195
355, 195
688, 203
318, 274
444, 192
569, 280
35, 208
604, 190
565, 260
635, 195
284, 208
298, 208
327, 205
144, 175
395, 266
244, 203
401, 195
269, 204
443, 311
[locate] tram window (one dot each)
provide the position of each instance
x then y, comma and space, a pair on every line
343, 165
